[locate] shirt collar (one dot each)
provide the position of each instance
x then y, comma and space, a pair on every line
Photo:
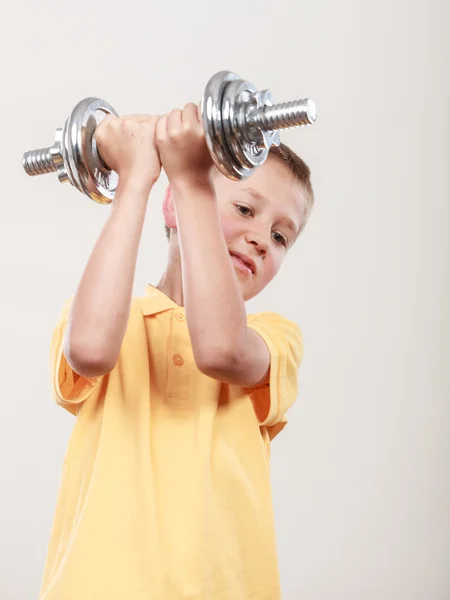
156, 301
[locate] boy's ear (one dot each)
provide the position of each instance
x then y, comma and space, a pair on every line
169, 210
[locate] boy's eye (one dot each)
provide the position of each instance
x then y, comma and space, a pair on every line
244, 210
280, 238
277, 236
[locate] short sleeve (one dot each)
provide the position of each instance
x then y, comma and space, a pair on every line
277, 394
69, 389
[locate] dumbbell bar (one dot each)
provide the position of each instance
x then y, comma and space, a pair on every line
240, 123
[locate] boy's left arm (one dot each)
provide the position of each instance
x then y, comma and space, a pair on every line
224, 346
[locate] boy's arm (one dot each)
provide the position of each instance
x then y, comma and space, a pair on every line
100, 308
224, 347
101, 305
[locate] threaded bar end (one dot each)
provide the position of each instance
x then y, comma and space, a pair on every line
38, 162
284, 115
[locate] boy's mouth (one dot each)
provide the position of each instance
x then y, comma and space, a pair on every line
246, 264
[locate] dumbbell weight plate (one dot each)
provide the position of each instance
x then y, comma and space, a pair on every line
84, 167
249, 146
212, 123
236, 147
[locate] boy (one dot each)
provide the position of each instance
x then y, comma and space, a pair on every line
165, 491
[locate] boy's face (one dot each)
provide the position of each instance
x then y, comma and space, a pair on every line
260, 219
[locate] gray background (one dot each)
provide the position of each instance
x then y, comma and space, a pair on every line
361, 473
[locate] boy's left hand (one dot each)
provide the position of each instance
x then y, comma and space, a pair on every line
182, 148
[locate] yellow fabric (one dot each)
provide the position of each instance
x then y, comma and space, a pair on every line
165, 490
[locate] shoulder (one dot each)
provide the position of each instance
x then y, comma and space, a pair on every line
276, 321
283, 333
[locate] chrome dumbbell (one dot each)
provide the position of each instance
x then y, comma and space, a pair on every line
240, 123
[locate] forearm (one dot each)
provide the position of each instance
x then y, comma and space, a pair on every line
214, 306
101, 304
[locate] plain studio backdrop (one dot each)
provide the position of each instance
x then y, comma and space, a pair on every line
361, 474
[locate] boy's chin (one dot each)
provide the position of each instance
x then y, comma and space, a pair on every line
248, 292
249, 286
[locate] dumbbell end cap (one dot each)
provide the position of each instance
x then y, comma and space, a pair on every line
311, 110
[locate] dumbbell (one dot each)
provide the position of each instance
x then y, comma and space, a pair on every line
240, 124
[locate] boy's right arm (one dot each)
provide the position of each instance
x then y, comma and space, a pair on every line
101, 305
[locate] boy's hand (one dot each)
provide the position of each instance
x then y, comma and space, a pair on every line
128, 146
182, 148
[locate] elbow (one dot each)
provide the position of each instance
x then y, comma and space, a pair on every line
87, 362
215, 362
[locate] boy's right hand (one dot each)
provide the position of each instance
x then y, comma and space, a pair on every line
127, 145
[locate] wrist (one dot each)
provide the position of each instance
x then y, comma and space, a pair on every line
136, 183
192, 187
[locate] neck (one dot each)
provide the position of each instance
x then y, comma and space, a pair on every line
171, 282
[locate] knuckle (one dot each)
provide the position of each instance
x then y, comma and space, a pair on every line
130, 125
99, 131
116, 124
104, 124
187, 127
176, 135
160, 136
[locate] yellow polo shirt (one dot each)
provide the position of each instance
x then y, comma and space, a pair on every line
165, 490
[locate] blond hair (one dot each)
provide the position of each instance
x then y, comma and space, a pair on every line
301, 173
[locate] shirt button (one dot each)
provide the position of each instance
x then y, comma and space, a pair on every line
180, 316
177, 359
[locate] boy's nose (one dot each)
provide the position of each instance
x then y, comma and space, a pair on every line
259, 241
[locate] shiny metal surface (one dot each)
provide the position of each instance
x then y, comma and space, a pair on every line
211, 106
240, 123
299, 113
74, 155
249, 145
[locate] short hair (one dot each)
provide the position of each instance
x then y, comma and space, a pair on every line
301, 173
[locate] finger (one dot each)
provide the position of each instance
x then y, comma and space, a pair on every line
190, 114
151, 119
200, 116
102, 127
174, 122
145, 118
108, 119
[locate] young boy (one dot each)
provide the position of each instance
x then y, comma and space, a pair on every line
165, 491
